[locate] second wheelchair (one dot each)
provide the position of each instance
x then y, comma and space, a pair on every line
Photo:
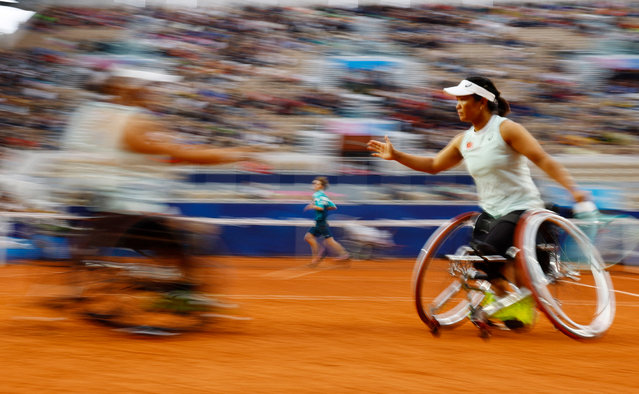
562, 271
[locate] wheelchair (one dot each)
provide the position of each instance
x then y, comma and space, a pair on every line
558, 265
135, 273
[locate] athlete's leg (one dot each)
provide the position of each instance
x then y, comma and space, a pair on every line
312, 241
337, 248
483, 226
495, 236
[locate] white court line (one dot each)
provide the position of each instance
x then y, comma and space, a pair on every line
592, 287
287, 273
39, 318
281, 297
626, 304
627, 293
228, 317
359, 279
617, 277
292, 297
291, 276
29, 275
291, 273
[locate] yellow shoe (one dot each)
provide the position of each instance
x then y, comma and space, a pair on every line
489, 298
182, 301
522, 313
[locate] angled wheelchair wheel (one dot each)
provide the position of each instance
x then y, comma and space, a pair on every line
565, 273
440, 298
113, 296
135, 278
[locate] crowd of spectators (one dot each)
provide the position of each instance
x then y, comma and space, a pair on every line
258, 76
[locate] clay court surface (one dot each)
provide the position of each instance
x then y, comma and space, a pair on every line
306, 331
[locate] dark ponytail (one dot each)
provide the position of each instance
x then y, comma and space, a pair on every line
500, 105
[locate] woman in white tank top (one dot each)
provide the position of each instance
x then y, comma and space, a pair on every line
123, 140
495, 151
127, 149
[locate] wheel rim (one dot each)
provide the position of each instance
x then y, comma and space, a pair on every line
440, 299
576, 295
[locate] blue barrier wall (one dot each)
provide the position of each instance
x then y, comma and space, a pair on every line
288, 240
289, 211
359, 179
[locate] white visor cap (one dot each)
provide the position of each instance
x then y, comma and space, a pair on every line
466, 88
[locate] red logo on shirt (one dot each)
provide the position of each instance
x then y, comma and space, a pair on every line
469, 145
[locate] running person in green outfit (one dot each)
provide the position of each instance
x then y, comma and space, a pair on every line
322, 204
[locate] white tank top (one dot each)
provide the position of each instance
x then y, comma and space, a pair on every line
121, 180
502, 175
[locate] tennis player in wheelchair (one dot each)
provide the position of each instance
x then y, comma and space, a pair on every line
121, 153
495, 150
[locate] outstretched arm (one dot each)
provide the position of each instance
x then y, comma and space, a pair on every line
523, 142
443, 160
144, 135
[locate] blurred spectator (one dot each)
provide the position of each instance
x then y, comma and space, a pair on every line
249, 69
